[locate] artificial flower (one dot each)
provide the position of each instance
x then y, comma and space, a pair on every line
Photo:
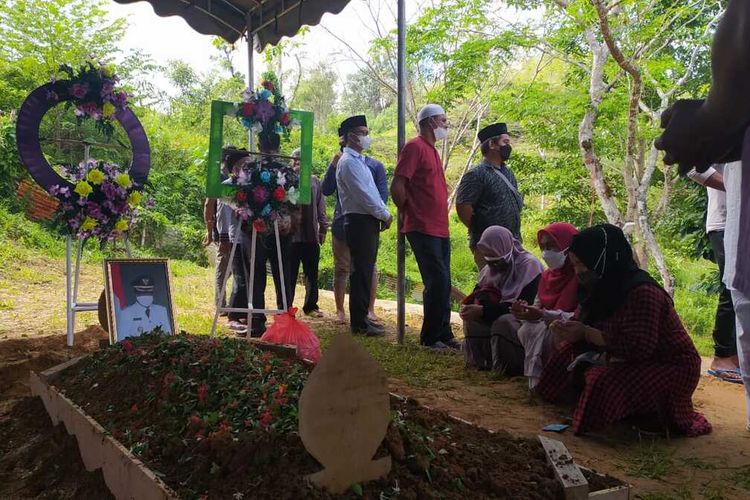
292, 195
266, 210
123, 180
260, 194
88, 224
240, 196
121, 99
108, 109
247, 109
122, 225
268, 85
279, 194
95, 176
281, 178
83, 188
259, 226
285, 119
264, 110
79, 90
134, 198
257, 127
265, 94
265, 176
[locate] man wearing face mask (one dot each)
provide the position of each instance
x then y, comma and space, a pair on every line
143, 315
488, 193
421, 195
365, 215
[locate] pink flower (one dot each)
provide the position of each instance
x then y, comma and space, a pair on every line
203, 393
79, 90
266, 419
264, 110
127, 345
121, 99
260, 194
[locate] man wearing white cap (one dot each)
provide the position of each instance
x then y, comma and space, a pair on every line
421, 195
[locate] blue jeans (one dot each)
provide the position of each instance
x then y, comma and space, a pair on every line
433, 256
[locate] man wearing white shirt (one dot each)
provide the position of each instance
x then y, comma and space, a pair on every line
365, 215
725, 364
143, 316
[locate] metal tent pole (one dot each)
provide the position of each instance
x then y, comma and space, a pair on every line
250, 71
401, 248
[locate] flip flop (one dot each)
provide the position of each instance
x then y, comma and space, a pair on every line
732, 376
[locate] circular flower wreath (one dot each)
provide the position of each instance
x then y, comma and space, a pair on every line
267, 191
103, 202
264, 110
92, 90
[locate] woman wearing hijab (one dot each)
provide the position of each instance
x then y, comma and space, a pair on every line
556, 299
627, 353
511, 274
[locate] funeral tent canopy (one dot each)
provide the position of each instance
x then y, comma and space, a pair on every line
265, 22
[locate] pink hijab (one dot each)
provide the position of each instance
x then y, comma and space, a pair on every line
524, 267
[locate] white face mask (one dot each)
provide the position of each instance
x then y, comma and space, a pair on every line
145, 300
365, 141
440, 133
554, 260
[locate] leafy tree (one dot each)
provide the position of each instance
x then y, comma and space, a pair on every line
316, 92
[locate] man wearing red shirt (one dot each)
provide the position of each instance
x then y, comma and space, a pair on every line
421, 195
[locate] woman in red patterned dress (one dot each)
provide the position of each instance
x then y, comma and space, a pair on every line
627, 353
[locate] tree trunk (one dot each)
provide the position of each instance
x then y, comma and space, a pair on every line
586, 131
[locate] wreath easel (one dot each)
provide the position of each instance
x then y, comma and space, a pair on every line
35, 106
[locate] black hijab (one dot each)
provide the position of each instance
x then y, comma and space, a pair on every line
605, 251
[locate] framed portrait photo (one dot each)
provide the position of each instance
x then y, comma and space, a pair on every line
139, 297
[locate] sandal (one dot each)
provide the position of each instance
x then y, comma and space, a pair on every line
732, 376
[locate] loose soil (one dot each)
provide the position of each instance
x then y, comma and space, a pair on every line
222, 451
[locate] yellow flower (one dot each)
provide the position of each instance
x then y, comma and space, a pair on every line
134, 199
83, 188
88, 224
108, 109
124, 180
95, 176
122, 225
108, 71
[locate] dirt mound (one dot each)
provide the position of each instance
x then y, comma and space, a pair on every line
38, 460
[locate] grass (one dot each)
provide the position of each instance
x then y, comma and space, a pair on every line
652, 461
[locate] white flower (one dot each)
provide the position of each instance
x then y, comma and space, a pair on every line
281, 179
257, 127
247, 94
292, 196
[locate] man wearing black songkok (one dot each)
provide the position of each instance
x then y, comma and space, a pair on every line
488, 193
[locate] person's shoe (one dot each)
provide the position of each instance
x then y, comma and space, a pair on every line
236, 325
438, 346
316, 313
374, 319
453, 344
241, 333
370, 330
374, 326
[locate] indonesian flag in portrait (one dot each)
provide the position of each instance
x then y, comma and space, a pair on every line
117, 287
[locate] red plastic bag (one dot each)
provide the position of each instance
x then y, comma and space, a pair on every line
288, 330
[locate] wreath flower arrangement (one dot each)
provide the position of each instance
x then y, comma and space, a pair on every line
103, 201
267, 191
93, 92
264, 110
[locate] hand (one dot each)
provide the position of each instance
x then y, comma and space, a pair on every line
568, 331
690, 140
208, 238
321, 238
384, 225
521, 310
471, 312
335, 160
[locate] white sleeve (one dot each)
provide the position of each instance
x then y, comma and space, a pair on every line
701, 178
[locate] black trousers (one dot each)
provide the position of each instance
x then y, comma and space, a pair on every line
265, 250
725, 333
308, 255
238, 298
433, 256
363, 237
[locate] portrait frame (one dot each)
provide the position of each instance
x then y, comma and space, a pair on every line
119, 276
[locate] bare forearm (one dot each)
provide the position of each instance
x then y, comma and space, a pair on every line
465, 212
209, 213
594, 336
398, 192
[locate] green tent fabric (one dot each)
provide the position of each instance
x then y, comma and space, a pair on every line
268, 20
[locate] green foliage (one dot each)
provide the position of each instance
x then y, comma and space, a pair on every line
316, 93
11, 169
